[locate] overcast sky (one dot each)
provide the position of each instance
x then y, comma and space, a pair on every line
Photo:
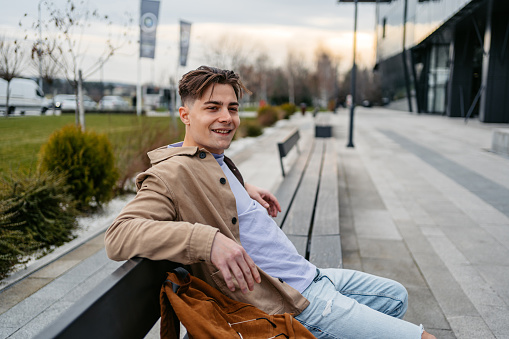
271, 26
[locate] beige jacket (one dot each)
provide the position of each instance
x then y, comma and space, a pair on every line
182, 201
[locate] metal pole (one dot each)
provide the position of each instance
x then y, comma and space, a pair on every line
138, 82
39, 52
81, 109
138, 89
405, 64
352, 108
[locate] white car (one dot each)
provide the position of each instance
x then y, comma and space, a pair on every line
113, 102
67, 102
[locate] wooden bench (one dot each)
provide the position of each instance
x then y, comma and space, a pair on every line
323, 127
309, 200
286, 145
126, 304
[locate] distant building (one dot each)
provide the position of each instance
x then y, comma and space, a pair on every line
449, 57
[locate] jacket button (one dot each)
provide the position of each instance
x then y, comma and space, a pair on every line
222, 181
234, 220
203, 155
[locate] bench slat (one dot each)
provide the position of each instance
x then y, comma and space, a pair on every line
300, 242
325, 245
300, 213
326, 251
286, 190
327, 207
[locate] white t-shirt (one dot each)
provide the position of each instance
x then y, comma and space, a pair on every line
264, 241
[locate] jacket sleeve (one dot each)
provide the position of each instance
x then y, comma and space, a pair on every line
147, 228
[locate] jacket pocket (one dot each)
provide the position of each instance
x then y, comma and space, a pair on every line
264, 296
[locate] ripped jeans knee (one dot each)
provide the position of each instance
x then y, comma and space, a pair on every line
350, 304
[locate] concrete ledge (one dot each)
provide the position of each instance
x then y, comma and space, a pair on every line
500, 141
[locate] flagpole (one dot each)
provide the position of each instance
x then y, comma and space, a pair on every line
138, 89
138, 80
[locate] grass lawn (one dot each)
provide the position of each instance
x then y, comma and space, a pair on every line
22, 137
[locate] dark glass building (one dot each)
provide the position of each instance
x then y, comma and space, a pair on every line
447, 57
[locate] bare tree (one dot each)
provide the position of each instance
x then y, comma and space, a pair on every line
12, 59
291, 60
66, 47
262, 66
228, 52
326, 76
43, 64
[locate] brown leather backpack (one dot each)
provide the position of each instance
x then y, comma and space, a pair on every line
207, 313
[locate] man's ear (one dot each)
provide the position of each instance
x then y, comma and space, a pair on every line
184, 114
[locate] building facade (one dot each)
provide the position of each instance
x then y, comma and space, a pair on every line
447, 57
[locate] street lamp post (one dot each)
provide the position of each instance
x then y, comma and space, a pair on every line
354, 67
353, 80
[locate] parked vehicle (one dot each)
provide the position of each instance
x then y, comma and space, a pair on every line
155, 97
67, 103
26, 97
113, 102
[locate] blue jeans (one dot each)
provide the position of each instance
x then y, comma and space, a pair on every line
353, 304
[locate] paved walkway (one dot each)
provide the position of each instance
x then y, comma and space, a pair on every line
422, 200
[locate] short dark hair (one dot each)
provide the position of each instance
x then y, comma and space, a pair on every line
194, 83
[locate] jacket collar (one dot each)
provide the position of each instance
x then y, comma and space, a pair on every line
165, 152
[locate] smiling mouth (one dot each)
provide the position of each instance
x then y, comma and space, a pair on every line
222, 131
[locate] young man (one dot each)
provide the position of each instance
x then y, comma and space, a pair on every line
193, 207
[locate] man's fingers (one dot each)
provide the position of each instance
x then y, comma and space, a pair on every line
233, 261
254, 270
244, 279
228, 278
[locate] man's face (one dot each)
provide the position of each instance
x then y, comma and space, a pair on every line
211, 121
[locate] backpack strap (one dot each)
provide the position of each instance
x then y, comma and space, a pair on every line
182, 274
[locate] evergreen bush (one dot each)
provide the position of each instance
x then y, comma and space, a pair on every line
268, 115
87, 161
249, 128
36, 211
288, 109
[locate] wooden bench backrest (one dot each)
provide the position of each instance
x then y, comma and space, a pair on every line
124, 305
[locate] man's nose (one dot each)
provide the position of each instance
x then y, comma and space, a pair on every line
224, 115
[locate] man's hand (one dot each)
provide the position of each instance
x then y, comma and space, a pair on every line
231, 258
426, 335
265, 198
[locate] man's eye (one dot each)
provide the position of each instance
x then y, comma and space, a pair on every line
213, 108
234, 109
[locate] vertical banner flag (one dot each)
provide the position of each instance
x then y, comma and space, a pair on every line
185, 37
149, 13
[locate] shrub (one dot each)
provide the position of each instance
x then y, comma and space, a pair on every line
36, 211
131, 150
249, 128
288, 109
268, 115
87, 161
